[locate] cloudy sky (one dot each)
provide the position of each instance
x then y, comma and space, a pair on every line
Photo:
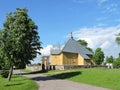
96, 21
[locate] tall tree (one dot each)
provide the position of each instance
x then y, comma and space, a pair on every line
119, 55
1, 43
116, 62
98, 56
85, 44
82, 42
118, 39
109, 59
21, 40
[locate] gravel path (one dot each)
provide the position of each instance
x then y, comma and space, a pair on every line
49, 83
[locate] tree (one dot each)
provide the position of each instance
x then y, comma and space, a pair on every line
0, 44
20, 39
98, 56
109, 59
119, 55
4, 64
118, 39
85, 44
82, 42
90, 49
117, 62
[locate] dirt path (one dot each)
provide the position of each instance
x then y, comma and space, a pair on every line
49, 83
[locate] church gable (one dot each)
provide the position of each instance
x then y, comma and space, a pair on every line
74, 47
72, 53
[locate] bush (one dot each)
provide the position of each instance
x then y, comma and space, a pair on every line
116, 63
4, 73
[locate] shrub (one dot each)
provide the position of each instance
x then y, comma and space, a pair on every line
116, 63
4, 73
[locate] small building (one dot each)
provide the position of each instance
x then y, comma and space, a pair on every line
72, 54
45, 62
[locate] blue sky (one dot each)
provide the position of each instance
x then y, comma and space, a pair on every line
96, 21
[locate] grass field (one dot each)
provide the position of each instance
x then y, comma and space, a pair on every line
108, 78
17, 83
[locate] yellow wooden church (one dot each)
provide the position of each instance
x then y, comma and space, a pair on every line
71, 54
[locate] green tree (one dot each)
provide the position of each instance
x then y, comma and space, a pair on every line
82, 42
117, 62
4, 64
20, 39
109, 59
1, 48
90, 49
118, 39
119, 55
98, 56
85, 44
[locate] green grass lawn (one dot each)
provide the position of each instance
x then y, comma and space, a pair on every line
17, 83
108, 78
28, 71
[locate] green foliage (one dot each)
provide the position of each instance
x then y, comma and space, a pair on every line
82, 42
109, 59
90, 49
20, 40
4, 73
116, 63
98, 56
119, 55
85, 44
118, 39
18, 83
4, 62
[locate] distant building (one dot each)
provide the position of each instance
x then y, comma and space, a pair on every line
71, 54
45, 62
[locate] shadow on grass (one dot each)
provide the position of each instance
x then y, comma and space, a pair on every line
36, 72
43, 78
57, 76
66, 75
8, 85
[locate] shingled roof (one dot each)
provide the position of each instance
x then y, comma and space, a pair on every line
73, 46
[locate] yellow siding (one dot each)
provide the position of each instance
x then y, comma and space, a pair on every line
70, 58
81, 60
56, 59
89, 62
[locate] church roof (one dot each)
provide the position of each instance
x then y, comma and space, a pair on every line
73, 46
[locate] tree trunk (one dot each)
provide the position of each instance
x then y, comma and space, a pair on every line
10, 73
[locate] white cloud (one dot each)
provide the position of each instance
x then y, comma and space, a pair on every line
100, 37
112, 8
105, 45
99, 2
96, 37
81, 1
102, 18
101, 24
102, 1
46, 50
